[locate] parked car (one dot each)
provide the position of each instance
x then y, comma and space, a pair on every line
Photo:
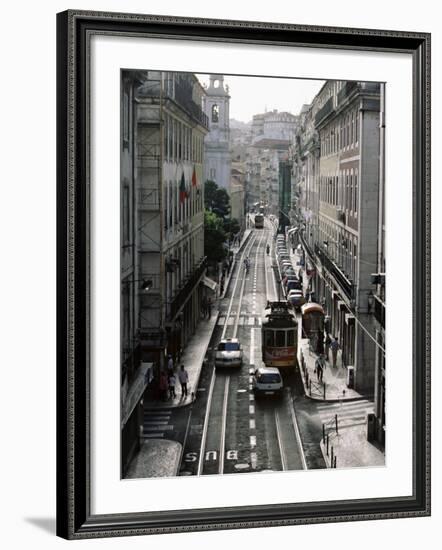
293, 284
267, 381
229, 353
296, 298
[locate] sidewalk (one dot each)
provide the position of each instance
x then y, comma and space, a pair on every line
350, 449
195, 351
334, 381
192, 359
156, 458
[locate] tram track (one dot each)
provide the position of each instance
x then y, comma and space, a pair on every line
238, 433
215, 424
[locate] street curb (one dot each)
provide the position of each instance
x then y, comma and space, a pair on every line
188, 403
226, 286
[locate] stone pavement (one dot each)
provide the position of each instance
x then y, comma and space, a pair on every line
156, 458
349, 448
193, 360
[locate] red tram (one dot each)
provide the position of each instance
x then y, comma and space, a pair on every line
279, 336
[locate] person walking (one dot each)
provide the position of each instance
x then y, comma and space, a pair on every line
327, 342
163, 386
172, 382
170, 366
209, 308
183, 377
334, 346
204, 307
319, 368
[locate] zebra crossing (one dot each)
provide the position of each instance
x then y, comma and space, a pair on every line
349, 413
156, 423
244, 320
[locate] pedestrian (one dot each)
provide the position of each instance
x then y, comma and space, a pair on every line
319, 367
204, 306
327, 342
163, 386
334, 346
172, 382
209, 308
170, 365
183, 377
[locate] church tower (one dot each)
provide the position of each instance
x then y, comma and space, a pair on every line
216, 143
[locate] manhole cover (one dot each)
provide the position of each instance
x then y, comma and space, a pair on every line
241, 466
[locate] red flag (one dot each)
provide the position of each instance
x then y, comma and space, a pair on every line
194, 180
183, 192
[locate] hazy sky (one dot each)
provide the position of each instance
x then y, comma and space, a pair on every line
252, 95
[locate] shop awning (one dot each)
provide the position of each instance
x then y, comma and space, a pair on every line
209, 283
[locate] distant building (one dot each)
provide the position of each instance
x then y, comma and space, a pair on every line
271, 136
237, 194
216, 143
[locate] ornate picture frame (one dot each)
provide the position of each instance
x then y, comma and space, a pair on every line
75, 30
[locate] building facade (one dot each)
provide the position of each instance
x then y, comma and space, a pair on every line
216, 144
162, 220
337, 181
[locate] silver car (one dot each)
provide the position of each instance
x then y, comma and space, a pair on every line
228, 353
267, 381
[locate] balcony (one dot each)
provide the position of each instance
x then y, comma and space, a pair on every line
326, 110
185, 291
345, 284
181, 93
348, 90
379, 311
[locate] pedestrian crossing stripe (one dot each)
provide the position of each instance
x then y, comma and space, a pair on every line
352, 413
243, 320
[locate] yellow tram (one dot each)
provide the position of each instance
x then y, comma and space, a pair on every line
279, 336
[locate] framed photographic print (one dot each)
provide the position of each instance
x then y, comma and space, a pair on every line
232, 199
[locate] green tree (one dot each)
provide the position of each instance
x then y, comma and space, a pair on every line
231, 227
214, 237
216, 199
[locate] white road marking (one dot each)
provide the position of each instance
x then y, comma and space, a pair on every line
251, 409
252, 424
253, 441
252, 346
251, 397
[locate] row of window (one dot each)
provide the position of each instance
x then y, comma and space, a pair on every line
341, 190
180, 205
182, 143
341, 135
185, 257
340, 245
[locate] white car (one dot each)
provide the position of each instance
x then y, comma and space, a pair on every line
228, 353
267, 381
296, 298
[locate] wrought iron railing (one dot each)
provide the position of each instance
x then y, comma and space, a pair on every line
324, 111
345, 284
346, 91
379, 311
185, 291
